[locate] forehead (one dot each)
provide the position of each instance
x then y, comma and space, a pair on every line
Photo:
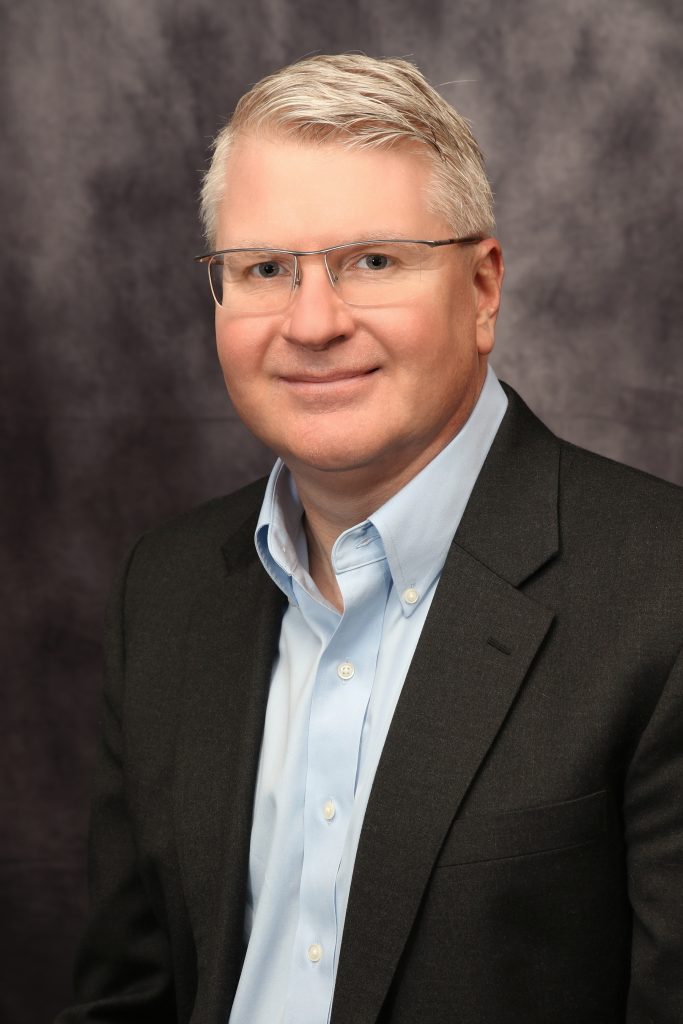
306, 195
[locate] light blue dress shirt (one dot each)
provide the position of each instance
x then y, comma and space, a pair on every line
334, 688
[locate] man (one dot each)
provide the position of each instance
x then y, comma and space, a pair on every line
395, 735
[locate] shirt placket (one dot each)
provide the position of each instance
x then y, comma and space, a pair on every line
342, 689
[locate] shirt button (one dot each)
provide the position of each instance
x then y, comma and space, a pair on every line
411, 596
345, 670
315, 952
329, 810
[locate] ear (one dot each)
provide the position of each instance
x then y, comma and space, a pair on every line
488, 270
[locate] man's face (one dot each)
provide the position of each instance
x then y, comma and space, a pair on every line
375, 392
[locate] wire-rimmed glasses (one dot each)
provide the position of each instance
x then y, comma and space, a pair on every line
375, 272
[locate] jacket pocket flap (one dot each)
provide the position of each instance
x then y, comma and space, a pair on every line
525, 831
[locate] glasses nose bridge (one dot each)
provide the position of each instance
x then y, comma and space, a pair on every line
314, 254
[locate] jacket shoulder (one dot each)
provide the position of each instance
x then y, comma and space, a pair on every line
588, 480
214, 520
616, 525
186, 552
621, 544
598, 486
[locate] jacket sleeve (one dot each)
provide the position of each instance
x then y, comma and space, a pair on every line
653, 809
123, 969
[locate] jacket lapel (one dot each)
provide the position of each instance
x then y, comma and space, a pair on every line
232, 640
480, 638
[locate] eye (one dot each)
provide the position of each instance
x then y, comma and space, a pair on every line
267, 269
373, 261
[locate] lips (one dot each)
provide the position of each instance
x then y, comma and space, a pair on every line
332, 377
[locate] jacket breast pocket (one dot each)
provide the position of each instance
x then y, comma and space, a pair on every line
526, 831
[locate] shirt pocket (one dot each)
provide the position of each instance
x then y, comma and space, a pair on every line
526, 831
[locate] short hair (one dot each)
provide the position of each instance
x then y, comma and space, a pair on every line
362, 102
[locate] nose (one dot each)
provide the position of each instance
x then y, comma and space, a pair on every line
316, 316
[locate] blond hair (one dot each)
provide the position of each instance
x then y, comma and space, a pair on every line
362, 102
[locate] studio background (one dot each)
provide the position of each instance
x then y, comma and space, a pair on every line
113, 410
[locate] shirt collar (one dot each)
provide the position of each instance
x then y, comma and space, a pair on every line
415, 527
279, 537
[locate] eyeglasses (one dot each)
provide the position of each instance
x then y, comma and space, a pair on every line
376, 272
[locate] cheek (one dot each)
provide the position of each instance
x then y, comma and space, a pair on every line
230, 360
431, 344
240, 349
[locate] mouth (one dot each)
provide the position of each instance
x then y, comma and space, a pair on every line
332, 377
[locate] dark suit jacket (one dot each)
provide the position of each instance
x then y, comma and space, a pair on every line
522, 853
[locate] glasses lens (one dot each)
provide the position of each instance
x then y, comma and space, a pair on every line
247, 281
381, 273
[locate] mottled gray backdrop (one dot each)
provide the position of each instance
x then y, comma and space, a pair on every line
113, 410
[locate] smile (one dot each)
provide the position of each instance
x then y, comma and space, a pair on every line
326, 379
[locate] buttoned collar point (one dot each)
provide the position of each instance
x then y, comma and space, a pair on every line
417, 525
360, 545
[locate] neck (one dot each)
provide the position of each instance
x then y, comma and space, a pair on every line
334, 501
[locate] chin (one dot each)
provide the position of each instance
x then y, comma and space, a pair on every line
329, 458
323, 463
